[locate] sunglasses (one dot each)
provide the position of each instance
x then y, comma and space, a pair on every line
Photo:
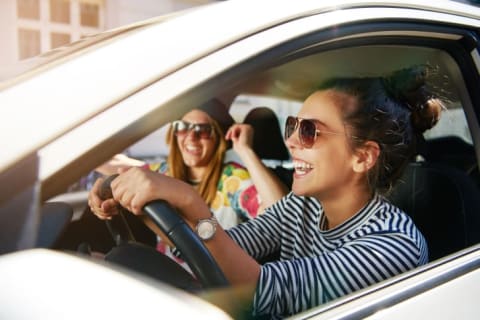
200, 130
307, 130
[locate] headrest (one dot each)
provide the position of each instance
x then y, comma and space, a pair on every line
267, 140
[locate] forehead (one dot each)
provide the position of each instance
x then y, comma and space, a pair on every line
322, 106
196, 116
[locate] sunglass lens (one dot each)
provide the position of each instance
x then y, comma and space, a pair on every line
290, 125
307, 133
204, 131
180, 127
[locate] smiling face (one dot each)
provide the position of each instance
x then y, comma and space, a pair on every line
326, 170
197, 152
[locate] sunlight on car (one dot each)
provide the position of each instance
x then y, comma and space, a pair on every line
315, 160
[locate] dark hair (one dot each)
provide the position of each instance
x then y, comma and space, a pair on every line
219, 112
393, 111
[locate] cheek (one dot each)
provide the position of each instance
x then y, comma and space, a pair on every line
178, 141
332, 163
210, 149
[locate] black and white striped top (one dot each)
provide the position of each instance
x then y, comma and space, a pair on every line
316, 266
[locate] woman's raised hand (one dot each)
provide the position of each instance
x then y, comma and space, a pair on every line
241, 136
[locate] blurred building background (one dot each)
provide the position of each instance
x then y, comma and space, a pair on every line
31, 27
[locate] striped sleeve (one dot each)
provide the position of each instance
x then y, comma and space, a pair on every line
291, 286
260, 237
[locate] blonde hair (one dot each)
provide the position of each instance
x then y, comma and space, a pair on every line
177, 168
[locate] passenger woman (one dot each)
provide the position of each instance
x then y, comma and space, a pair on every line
197, 150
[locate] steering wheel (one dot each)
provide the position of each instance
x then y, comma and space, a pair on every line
192, 249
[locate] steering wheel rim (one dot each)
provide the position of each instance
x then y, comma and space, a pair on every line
191, 247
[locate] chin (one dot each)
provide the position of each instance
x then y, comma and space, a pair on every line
298, 190
190, 162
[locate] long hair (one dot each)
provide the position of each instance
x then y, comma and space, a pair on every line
177, 168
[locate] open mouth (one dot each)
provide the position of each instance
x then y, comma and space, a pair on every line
194, 150
302, 167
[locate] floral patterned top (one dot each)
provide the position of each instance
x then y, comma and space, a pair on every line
237, 199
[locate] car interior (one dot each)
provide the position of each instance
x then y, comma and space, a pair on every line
439, 189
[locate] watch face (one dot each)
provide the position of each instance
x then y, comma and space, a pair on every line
205, 229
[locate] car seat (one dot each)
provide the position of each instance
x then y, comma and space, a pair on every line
444, 203
454, 151
268, 140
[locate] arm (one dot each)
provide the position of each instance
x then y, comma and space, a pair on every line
269, 187
330, 275
118, 161
136, 187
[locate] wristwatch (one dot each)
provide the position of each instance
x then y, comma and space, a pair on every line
206, 228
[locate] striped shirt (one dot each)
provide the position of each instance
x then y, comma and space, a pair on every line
318, 265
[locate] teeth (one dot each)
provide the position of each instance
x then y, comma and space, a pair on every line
192, 148
302, 166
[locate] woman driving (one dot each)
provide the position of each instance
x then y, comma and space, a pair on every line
336, 232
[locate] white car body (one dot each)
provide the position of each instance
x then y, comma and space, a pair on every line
61, 119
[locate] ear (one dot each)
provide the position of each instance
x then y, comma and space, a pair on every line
366, 156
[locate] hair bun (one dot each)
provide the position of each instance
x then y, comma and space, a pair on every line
409, 87
427, 115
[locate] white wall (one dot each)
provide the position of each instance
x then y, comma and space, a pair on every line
8, 34
122, 12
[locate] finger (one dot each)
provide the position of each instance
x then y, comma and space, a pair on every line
235, 132
103, 216
94, 195
121, 170
99, 213
228, 135
109, 207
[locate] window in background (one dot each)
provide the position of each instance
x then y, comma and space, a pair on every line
453, 123
28, 9
282, 107
28, 43
59, 39
60, 11
89, 14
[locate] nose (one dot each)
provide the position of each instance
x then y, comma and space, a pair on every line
293, 141
192, 134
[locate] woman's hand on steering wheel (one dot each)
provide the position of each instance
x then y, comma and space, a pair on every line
103, 207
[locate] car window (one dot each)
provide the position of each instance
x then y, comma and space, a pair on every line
453, 123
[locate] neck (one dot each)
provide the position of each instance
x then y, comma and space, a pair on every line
338, 209
195, 174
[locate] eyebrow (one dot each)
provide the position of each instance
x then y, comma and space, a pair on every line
194, 122
321, 123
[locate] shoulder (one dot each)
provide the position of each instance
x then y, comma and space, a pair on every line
388, 212
233, 165
390, 219
233, 168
